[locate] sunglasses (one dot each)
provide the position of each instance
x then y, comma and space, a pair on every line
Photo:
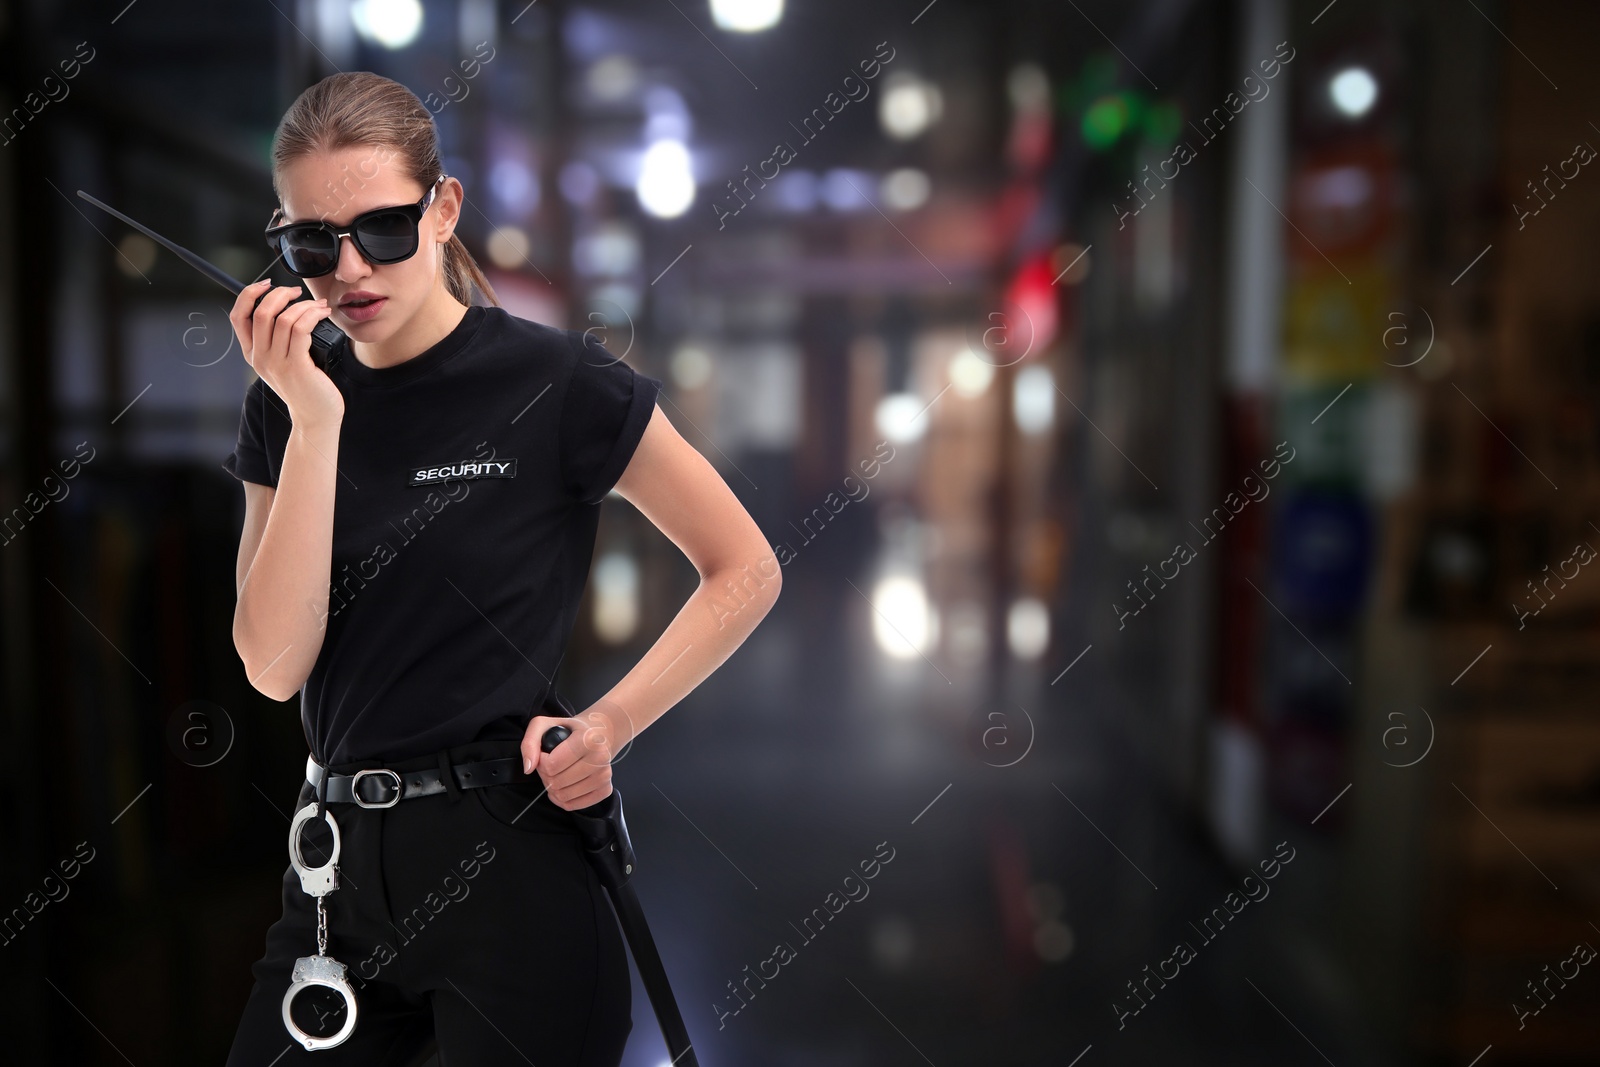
382, 235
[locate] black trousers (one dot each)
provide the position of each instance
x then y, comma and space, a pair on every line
470, 923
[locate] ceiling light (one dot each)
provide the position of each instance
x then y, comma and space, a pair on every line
746, 16
391, 23
903, 621
908, 106
1353, 91
900, 417
666, 184
970, 374
1033, 399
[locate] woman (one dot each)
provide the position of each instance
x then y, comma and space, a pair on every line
419, 522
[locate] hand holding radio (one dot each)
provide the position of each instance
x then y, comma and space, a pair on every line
275, 326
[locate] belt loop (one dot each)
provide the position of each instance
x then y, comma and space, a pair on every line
322, 794
448, 775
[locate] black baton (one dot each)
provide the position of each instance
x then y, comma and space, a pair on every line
605, 840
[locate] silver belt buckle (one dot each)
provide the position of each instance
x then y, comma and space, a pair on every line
355, 787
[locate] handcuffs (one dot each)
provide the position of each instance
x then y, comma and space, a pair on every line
321, 969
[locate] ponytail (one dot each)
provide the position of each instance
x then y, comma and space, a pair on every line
462, 274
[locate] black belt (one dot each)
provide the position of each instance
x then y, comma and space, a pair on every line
383, 787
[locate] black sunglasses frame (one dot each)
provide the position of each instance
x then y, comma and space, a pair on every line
412, 212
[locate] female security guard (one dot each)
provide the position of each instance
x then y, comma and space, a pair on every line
419, 523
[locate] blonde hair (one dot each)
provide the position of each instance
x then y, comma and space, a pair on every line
363, 109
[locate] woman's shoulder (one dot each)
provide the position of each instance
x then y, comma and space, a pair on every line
556, 346
557, 340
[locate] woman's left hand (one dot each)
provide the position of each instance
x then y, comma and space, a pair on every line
577, 772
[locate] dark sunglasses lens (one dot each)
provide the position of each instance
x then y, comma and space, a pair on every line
389, 237
309, 252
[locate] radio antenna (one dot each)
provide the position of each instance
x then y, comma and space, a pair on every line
215, 273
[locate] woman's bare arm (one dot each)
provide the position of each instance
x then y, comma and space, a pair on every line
285, 559
674, 487
286, 549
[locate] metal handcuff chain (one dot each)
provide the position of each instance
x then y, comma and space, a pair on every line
321, 969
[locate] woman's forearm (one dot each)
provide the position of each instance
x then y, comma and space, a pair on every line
713, 622
281, 617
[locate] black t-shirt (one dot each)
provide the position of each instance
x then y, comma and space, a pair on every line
469, 484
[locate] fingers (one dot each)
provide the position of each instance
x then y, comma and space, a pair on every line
589, 766
253, 321
578, 755
555, 763
291, 330
586, 770
242, 315
577, 772
275, 301
533, 755
316, 311
581, 791
584, 736
583, 801
570, 798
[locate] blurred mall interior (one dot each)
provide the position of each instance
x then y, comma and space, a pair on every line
1176, 421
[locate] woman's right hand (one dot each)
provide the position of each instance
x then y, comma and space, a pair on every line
276, 340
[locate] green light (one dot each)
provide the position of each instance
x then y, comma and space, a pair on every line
1162, 122
1136, 107
1096, 77
1105, 121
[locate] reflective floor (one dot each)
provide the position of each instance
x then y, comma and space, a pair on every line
755, 798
